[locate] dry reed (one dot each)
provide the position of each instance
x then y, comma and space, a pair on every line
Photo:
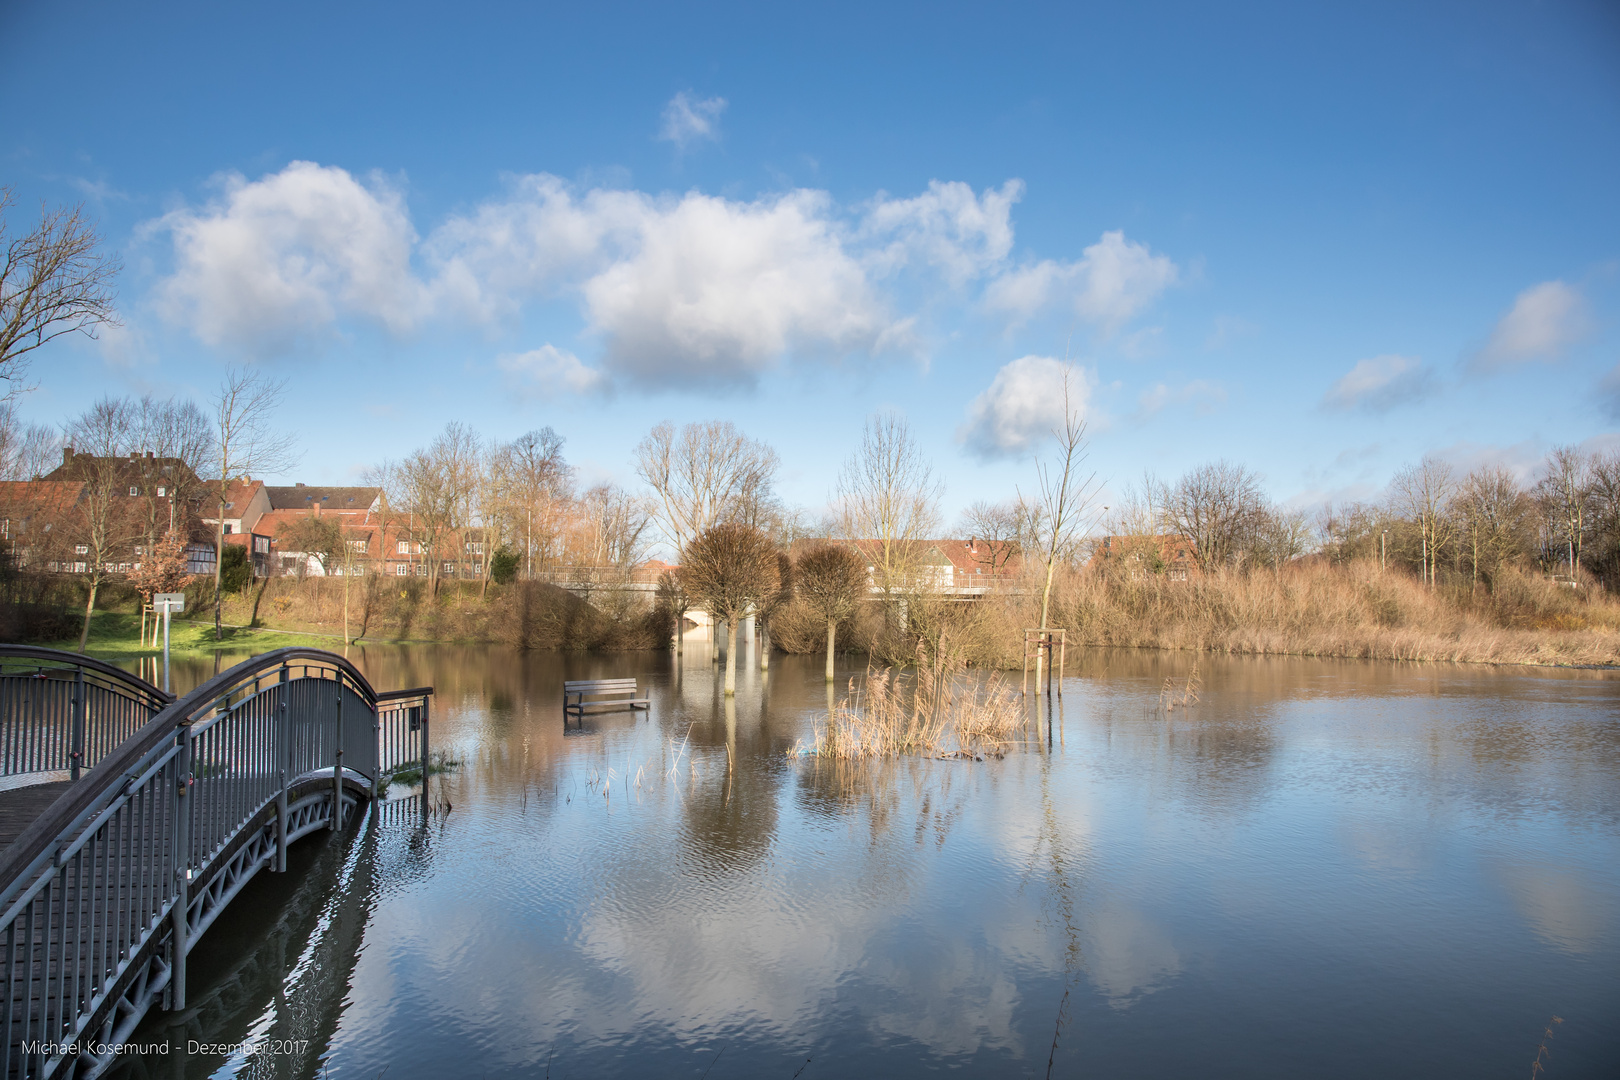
939, 709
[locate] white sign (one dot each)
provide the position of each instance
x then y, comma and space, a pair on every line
169, 601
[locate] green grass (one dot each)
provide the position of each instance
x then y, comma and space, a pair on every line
116, 635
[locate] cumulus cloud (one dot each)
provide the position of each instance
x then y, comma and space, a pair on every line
961, 234
689, 290
1545, 320
1203, 395
1113, 281
553, 370
688, 119
1023, 405
278, 260
718, 290
1380, 383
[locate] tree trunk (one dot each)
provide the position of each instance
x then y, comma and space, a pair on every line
346, 608
89, 606
764, 645
731, 657
219, 570
1046, 605
832, 631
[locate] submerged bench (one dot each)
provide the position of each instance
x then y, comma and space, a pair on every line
581, 694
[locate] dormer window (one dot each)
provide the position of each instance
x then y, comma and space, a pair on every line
134, 491
162, 491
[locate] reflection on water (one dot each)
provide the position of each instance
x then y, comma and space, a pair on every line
1325, 869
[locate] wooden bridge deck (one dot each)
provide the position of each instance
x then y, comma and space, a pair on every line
20, 806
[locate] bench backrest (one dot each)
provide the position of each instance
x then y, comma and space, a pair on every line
590, 685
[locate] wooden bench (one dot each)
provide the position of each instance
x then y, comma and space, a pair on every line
608, 693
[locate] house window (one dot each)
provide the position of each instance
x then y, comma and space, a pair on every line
449, 568
79, 568
401, 569
81, 549
162, 491
134, 491
361, 546
228, 528
404, 547
261, 544
421, 569
475, 547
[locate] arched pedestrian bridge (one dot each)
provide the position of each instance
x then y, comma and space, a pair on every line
129, 819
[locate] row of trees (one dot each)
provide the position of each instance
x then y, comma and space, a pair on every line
147, 470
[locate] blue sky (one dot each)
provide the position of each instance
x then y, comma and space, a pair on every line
1321, 242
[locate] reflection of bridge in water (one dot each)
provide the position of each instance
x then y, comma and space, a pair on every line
130, 819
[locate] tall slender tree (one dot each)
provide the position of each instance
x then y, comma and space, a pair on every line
247, 440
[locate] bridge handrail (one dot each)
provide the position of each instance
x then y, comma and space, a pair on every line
115, 771
200, 773
72, 659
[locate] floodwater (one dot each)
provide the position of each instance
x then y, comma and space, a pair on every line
1319, 869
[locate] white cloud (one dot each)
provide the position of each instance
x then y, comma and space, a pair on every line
718, 291
1023, 405
1380, 383
553, 370
1545, 320
1114, 280
1204, 395
278, 260
1227, 329
961, 234
688, 119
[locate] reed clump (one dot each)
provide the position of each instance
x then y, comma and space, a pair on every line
938, 708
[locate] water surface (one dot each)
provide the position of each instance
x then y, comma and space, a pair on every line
1324, 869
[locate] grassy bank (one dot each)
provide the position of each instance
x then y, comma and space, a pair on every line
116, 635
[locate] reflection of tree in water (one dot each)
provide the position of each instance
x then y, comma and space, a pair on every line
286, 976
730, 811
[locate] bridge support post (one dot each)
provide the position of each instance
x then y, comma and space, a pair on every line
283, 751
76, 747
427, 707
179, 914
337, 763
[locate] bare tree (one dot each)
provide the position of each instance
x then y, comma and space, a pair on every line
1605, 510
1423, 492
104, 523
703, 474
435, 488
674, 601
888, 499
54, 280
830, 579
614, 527
540, 484
181, 441
1279, 536
1063, 495
27, 451
1214, 506
730, 568
1491, 511
995, 531
246, 440
1566, 492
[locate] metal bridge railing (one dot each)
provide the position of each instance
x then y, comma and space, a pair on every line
101, 897
64, 713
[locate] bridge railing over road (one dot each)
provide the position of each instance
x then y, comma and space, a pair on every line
103, 894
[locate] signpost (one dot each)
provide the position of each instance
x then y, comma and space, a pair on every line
167, 602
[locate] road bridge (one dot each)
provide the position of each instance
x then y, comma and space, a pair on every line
131, 818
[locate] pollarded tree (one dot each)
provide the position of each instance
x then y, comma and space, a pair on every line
830, 579
730, 569
674, 602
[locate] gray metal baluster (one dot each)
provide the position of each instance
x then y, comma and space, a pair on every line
337, 762
180, 945
76, 754
284, 750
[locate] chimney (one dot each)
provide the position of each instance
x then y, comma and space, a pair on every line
298, 485
67, 455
